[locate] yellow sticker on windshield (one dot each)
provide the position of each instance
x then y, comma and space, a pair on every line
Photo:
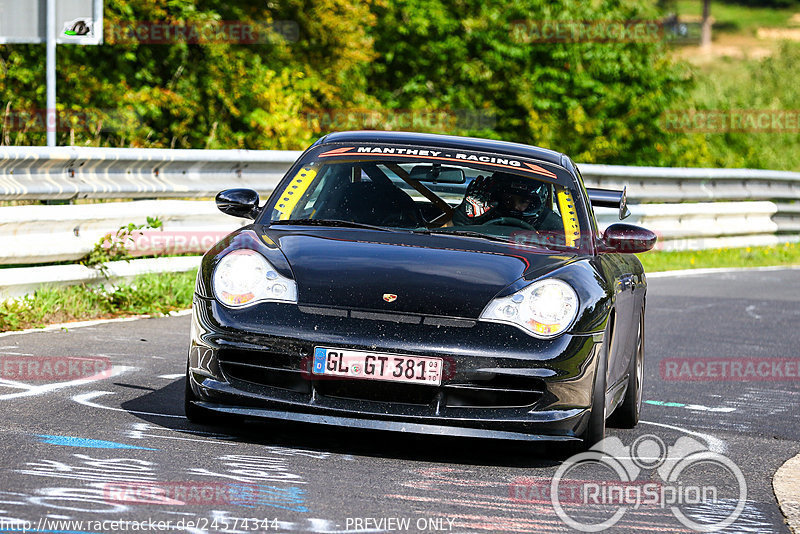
566, 205
294, 191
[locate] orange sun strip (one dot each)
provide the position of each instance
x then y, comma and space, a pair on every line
337, 151
535, 168
540, 170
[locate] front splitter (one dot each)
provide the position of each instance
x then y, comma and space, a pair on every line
373, 424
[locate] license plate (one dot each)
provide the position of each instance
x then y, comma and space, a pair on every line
377, 366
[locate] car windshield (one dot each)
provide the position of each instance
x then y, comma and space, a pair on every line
490, 197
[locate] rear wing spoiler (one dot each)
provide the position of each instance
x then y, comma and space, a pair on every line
610, 198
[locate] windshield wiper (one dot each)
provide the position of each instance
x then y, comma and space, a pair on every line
489, 237
472, 233
332, 222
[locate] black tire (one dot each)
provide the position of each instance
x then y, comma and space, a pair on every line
194, 413
596, 428
627, 414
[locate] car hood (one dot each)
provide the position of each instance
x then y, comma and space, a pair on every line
427, 274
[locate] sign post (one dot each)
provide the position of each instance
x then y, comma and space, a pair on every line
50, 22
50, 70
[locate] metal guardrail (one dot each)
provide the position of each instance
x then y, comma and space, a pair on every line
685, 184
41, 173
49, 234
705, 225
67, 173
689, 208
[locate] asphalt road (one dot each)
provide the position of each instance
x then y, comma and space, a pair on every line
117, 448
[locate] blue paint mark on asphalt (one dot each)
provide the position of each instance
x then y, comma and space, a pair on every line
70, 441
253, 496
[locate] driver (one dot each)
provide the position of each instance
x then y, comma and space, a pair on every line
506, 195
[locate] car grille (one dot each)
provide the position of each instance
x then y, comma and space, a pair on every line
263, 368
408, 318
292, 373
377, 391
493, 395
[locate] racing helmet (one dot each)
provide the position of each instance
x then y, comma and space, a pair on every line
512, 192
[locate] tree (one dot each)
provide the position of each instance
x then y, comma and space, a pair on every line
597, 98
705, 34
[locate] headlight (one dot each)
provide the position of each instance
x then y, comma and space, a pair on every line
243, 277
543, 309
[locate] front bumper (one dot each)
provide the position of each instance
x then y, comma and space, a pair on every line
498, 381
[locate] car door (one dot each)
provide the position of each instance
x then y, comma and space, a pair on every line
620, 277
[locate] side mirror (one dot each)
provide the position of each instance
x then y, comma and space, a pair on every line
627, 239
238, 202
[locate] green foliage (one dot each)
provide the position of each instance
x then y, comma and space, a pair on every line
763, 4
398, 65
153, 294
784, 254
740, 17
597, 101
743, 86
220, 95
147, 294
115, 247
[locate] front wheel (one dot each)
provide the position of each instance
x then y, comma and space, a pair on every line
627, 414
195, 413
596, 427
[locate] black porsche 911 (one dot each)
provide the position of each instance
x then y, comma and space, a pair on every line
428, 284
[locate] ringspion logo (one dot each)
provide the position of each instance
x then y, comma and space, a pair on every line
687, 478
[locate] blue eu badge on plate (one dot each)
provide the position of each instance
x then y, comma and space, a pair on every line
319, 360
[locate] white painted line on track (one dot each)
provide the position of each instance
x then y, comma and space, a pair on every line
719, 270
185, 439
714, 443
750, 310
13, 384
172, 377
86, 400
47, 388
696, 407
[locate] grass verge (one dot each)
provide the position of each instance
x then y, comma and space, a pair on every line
735, 18
157, 294
784, 254
147, 294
